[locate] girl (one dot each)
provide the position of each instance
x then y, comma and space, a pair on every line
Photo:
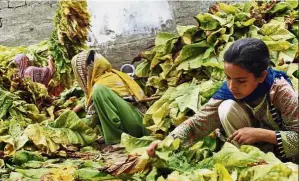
256, 104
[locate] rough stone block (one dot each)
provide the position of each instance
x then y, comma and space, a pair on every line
16, 3
38, 2
3, 4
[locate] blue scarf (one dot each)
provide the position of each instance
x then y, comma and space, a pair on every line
223, 93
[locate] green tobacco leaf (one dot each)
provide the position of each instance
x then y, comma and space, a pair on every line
175, 115
278, 45
92, 174
242, 16
14, 139
256, 153
152, 175
166, 66
131, 143
165, 148
202, 149
208, 88
223, 173
163, 37
228, 9
148, 55
68, 129
154, 81
281, 7
212, 38
21, 157
293, 3
16, 131
143, 69
230, 21
267, 172
191, 51
159, 109
7, 54
249, 22
164, 43
231, 156
295, 29
278, 20
207, 21
186, 33
31, 174
6, 100
189, 99
246, 7
289, 54
276, 32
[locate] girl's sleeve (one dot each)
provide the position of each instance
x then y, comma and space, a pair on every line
285, 99
199, 125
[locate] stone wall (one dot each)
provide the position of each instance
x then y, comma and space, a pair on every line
26, 22
124, 49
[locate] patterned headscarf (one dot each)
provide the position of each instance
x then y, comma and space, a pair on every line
79, 65
22, 62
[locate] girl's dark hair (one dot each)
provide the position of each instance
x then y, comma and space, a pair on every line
249, 53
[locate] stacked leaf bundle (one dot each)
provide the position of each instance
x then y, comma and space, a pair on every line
186, 68
71, 25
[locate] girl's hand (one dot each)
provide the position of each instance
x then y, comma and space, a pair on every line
152, 147
247, 135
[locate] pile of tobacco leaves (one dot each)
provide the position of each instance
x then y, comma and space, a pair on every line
41, 138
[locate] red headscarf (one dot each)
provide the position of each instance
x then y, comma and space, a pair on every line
36, 74
22, 62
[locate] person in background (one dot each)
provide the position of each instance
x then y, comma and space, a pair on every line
41, 75
105, 89
256, 105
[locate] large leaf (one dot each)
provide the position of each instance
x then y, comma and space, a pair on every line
191, 51
131, 143
231, 156
281, 7
229, 9
276, 32
143, 69
189, 99
6, 100
186, 33
68, 129
207, 21
159, 109
267, 172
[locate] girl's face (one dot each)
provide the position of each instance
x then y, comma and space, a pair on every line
241, 82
